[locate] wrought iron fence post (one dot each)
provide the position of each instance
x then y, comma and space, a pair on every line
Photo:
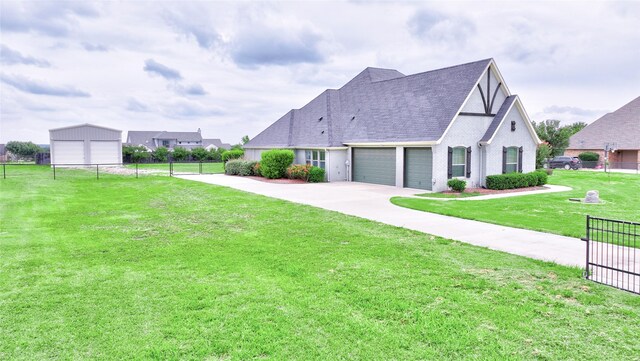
4, 171
200, 168
586, 269
54, 172
171, 169
136, 170
97, 172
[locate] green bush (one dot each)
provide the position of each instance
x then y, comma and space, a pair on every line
227, 155
316, 175
458, 185
274, 162
199, 153
541, 176
589, 157
298, 171
161, 154
256, 169
239, 167
215, 154
180, 154
516, 180
543, 152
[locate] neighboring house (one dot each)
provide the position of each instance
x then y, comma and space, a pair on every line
413, 131
620, 130
188, 140
85, 144
3, 153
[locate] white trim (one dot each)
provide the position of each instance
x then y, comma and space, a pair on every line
502, 121
300, 147
84, 125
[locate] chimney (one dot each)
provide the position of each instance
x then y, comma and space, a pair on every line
199, 130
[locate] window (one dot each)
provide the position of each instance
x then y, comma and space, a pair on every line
315, 158
512, 160
459, 162
165, 143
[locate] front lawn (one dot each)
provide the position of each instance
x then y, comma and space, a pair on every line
164, 268
550, 212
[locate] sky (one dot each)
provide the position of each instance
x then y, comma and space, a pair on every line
233, 68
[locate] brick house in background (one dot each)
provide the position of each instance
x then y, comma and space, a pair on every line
620, 129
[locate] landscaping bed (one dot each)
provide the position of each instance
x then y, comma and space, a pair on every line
278, 180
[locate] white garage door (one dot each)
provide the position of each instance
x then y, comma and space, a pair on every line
105, 152
67, 152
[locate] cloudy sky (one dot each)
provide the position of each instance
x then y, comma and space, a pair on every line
233, 68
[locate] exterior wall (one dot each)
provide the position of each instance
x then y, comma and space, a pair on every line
253, 153
504, 137
336, 167
85, 133
466, 131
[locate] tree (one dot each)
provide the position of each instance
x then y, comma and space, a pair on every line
556, 136
161, 154
132, 153
542, 153
199, 153
575, 127
23, 150
180, 153
215, 154
245, 140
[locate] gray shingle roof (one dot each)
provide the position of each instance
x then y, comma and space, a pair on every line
621, 127
378, 105
217, 142
495, 123
145, 137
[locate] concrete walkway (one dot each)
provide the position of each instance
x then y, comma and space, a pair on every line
372, 202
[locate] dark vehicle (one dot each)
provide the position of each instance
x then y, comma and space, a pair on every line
565, 162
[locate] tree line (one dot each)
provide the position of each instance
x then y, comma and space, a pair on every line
555, 138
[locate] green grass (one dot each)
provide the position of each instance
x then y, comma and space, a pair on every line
182, 167
163, 268
551, 212
450, 195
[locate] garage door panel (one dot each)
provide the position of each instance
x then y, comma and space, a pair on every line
374, 165
105, 152
68, 152
418, 165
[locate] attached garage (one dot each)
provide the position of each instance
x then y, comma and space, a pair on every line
418, 164
85, 144
374, 165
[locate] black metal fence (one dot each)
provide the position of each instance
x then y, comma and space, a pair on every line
17, 170
613, 257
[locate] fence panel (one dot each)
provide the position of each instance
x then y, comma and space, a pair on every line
613, 257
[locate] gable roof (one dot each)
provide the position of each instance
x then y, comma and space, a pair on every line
84, 125
621, 127
378, 105
497, 120
216, 142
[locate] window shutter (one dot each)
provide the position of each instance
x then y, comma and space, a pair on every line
468, 162
449, 163
504, 160
520, 159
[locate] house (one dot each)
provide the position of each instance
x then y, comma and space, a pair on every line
413, 131
3, 153
85, 144
188, 140
619, 130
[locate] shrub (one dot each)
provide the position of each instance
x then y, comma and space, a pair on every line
589, 157
274, 162
542, 177
161, 154
256, 169
298, 171
199, 153
516, 180
227, 155
239, 167
180, 153
316, 175
457, 185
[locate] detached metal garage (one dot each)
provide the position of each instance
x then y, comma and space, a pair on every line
85, 144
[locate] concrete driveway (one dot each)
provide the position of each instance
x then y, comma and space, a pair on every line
372, 202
